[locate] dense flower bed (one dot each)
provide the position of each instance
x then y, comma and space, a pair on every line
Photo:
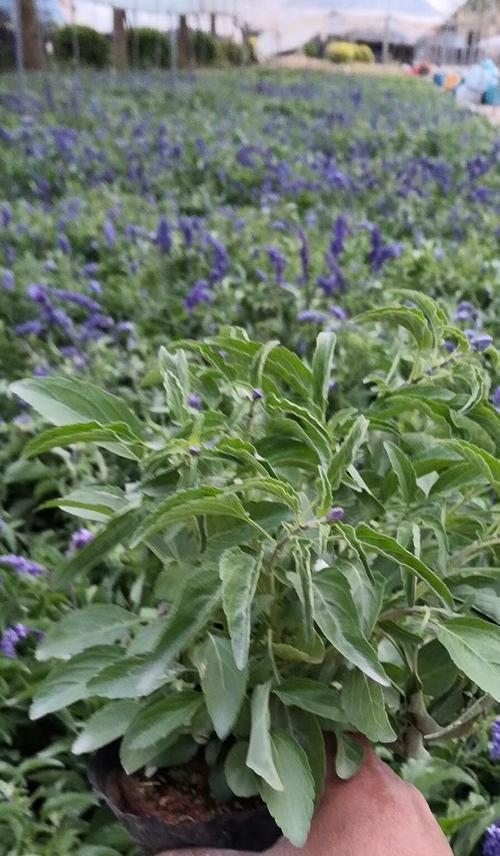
130, 216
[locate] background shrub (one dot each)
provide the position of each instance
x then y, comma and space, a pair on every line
148, 47
313, 48
364, 53
94, 47
343, 52
205, 47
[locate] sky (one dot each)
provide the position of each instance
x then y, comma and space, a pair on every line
258, 12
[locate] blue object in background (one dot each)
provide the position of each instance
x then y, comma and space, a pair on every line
492, 96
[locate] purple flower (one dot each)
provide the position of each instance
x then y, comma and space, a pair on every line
164, 236
22, 566
332, 283
8, 280
90, 269
305, 256
479, 341
257, 394
338, 313
495, 741
5, 215
195, 451
109, 233
278, 261
29, 328
220, 264
198, 294
466, 311
11, 638
495, 399
336, 514
340, 232
64, 243
95, 287
80, 539
449, 346
79, 299
491, 844
39, 293
380, 252
195, 401
312, 316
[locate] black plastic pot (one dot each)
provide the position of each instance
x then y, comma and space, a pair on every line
253, 830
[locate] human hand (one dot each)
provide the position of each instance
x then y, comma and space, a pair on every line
373, 814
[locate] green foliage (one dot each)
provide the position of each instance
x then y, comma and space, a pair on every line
344, 52
365, 673
195, 473
147, 47
94, 49
313, 48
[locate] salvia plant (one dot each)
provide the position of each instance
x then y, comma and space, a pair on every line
299, 569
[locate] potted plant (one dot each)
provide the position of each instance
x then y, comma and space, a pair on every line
303, 567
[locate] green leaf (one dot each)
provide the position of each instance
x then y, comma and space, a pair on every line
364, 706
91, 503
99, 624
175, 373
185, 504
474, 646
338, 619
348, 451
241, 780
68, 682
117, 531
190, 612
239, 573
272, 487
305, 729
426, 774
154, 724
223, 684
106, 725
65, 401
260, 754
284, 365
412, 320
116, 436
305, 589
349, 755
405, 471
312, 696
480, 592
304, 424
489, 465
388, 547
293, 806
121, 679
322, 368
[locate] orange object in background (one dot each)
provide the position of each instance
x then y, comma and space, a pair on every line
452, 81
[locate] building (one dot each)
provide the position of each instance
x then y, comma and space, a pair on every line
459, 39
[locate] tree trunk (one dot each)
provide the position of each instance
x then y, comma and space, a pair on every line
33, 55
119, 40
184, 43
213, 23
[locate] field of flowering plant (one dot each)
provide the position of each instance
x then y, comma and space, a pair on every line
239, 212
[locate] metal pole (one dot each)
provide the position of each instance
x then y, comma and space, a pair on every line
18, 37
387, 34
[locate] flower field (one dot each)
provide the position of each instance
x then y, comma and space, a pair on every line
238, 212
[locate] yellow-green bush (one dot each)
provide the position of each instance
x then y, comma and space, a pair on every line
364, 53
343, 52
